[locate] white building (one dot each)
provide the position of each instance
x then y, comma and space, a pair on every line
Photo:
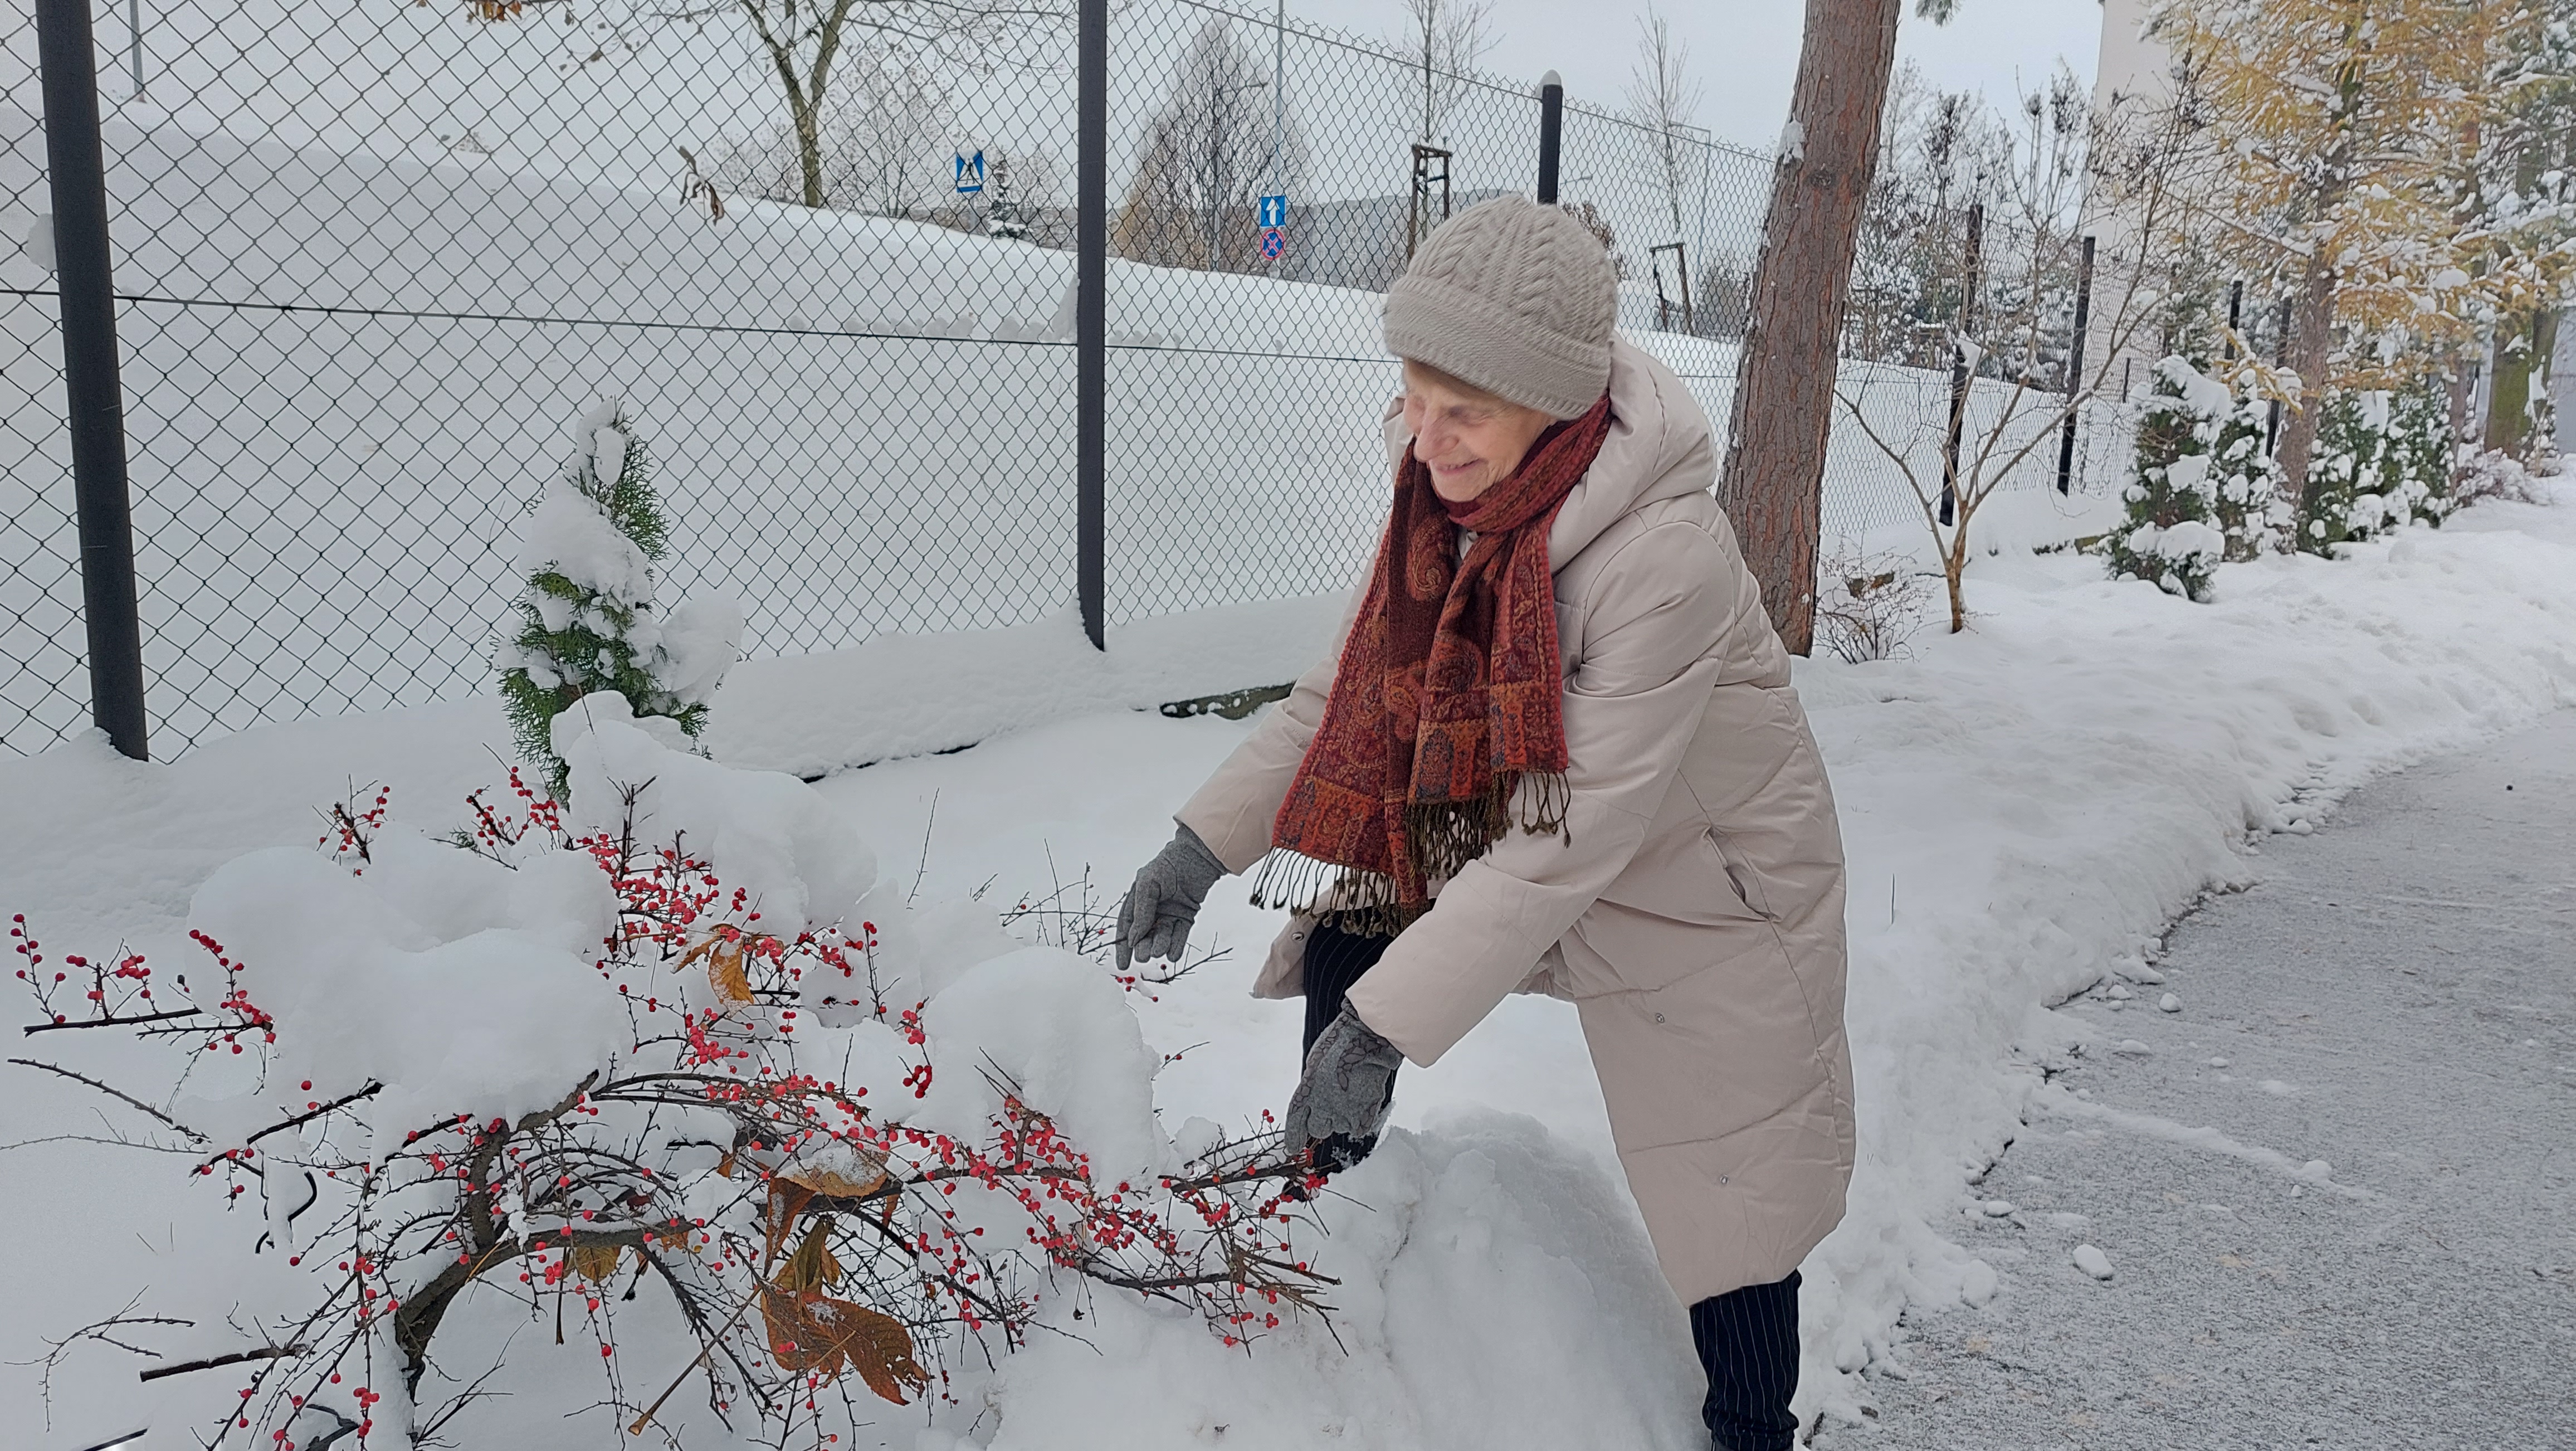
2132, 75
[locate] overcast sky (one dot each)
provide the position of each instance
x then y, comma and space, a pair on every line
1745, 52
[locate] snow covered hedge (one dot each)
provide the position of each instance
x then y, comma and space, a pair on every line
2383, 460
2204, 492
667, 1067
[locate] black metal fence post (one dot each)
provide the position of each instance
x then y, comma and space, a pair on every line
1551, 132
2075, 367
2280, 358
1961, 375
95, 396
1091, 323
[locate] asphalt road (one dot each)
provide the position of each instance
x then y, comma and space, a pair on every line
2397, 999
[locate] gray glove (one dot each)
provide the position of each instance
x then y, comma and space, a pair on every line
1342, 1098
1155, 919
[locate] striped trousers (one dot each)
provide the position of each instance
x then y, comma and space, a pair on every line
1747, 1338
1748, 1343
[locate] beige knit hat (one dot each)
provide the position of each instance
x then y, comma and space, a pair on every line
1514, 297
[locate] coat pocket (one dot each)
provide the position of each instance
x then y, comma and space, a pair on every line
1740, 876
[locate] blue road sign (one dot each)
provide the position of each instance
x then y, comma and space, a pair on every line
970, 174
1273, 210
1274, 243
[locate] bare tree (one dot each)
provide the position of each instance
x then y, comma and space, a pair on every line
1445, 39
1206, 155
882, 148
1773, 486
2007, 334
1663, 97
804, 40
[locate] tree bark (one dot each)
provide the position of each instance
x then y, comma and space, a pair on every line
1773, 485
2509, 364
2311, 340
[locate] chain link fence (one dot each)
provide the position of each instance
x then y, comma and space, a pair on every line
372, 258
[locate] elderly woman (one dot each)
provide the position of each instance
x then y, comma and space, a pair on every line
1558, 751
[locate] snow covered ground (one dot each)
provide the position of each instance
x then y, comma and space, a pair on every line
869, 421
2025, 808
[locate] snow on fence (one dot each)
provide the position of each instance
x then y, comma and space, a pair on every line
351, 354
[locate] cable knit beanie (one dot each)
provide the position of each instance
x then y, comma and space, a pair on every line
1514, 297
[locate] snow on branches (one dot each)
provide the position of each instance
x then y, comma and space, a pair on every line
2204, 492
2383, 460
586, 618
664, 1069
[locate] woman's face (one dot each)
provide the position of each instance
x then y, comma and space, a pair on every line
1469, 441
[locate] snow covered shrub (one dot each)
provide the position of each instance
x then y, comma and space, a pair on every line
586, 617
2383, 460
665, 1067
2496, 474
1868, 606
2204, 492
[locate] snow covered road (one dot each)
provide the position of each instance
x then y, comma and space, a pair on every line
2392, 998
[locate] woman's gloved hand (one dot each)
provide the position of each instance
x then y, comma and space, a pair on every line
1155, 919
1342, 1098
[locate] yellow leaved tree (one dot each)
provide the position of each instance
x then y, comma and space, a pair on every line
2342, 123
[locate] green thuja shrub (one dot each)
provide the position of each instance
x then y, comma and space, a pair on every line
2203, 491
2382, 460
586, 619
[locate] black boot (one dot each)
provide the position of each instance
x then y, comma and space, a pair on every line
1748, 1343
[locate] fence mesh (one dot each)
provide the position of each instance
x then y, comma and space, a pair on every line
373, 258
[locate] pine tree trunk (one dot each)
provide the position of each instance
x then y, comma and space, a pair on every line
2311, 339
2457, 385
2508, 421
1773, 485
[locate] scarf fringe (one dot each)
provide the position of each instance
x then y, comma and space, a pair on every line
1441, 838
1353, 900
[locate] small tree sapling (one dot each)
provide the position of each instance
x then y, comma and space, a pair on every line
2204, 491
586, 618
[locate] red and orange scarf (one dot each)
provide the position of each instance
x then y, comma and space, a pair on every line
1449, 694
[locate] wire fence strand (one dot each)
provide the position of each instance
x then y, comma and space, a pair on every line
375, 257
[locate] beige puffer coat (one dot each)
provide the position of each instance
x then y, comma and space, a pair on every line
1695, 915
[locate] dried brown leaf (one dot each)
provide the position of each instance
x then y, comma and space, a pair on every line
812, 1267
825, 1180
815, 1334
726, 975
596, 1262
787, 1199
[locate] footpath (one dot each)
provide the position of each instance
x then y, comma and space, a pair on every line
2328, 1162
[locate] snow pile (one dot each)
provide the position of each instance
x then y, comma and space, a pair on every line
2187, 546
2026, 805
423, 978
906, 695
570, 533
